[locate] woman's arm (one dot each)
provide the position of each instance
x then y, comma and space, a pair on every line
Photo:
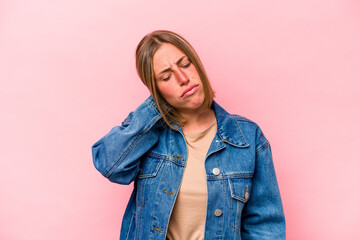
117, 154
263, 216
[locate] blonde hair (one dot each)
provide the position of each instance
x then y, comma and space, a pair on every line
144, 64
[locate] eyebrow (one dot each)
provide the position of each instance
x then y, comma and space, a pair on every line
168, 69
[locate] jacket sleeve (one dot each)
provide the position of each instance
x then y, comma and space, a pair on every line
263, 215
117, 154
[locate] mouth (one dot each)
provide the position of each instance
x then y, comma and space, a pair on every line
190, 91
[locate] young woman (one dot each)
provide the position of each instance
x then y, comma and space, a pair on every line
198, 171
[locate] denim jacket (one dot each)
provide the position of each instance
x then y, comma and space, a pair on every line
243, 199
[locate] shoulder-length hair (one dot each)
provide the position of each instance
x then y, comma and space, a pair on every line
144, 64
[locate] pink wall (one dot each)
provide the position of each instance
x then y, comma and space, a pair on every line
67, 76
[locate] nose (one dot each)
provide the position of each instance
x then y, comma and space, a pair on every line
182, 78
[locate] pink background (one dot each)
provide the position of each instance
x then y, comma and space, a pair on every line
68, 76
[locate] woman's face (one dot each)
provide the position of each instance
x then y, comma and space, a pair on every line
177, 79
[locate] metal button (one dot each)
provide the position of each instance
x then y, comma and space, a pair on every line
216, 171
218, 212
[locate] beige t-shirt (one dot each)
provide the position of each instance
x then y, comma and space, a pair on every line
187, 221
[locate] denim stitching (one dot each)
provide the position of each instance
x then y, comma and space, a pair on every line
139, 221
169, 146
241, 133
236, 196
156, 194
241, 118
216, 150
234, 227
263, 147
152, 105
128, 150
224, 177
147, 178
224, 191
157, 155
132, 218
237, 207
153, 174
167, 158
231, 211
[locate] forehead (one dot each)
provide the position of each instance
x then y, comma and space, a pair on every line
166, 55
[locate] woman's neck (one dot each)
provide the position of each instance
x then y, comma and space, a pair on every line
199, 121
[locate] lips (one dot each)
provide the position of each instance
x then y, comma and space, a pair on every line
189, 91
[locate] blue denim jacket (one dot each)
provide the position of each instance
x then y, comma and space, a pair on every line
243, 199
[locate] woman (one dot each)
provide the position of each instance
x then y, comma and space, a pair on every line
198, 171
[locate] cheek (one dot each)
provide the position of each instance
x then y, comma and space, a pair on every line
192, 71
166, 90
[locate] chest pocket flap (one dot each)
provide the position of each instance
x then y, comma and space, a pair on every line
149, 166
240, 188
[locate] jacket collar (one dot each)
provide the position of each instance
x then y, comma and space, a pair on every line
228, 127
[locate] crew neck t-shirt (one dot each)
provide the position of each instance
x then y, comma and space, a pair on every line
187, 221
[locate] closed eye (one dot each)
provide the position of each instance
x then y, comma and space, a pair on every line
167, 77
186, 65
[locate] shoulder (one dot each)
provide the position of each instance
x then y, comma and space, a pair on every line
244, 120
239, 129
251, 131
250, 125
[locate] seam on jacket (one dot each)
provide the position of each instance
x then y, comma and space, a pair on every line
152, 105
234, 227
128, 150
152, 174
122, 156
224, 177
156, 196
224, 185
241, 118
158, 156
139, 221
241, 132
155, 107
263, 147
132, 219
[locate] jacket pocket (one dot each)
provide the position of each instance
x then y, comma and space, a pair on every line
149, 168
240, 190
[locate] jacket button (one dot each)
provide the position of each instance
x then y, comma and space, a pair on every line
218, 212
216, 171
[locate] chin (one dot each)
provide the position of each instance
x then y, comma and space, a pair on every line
196, 104
193, 104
